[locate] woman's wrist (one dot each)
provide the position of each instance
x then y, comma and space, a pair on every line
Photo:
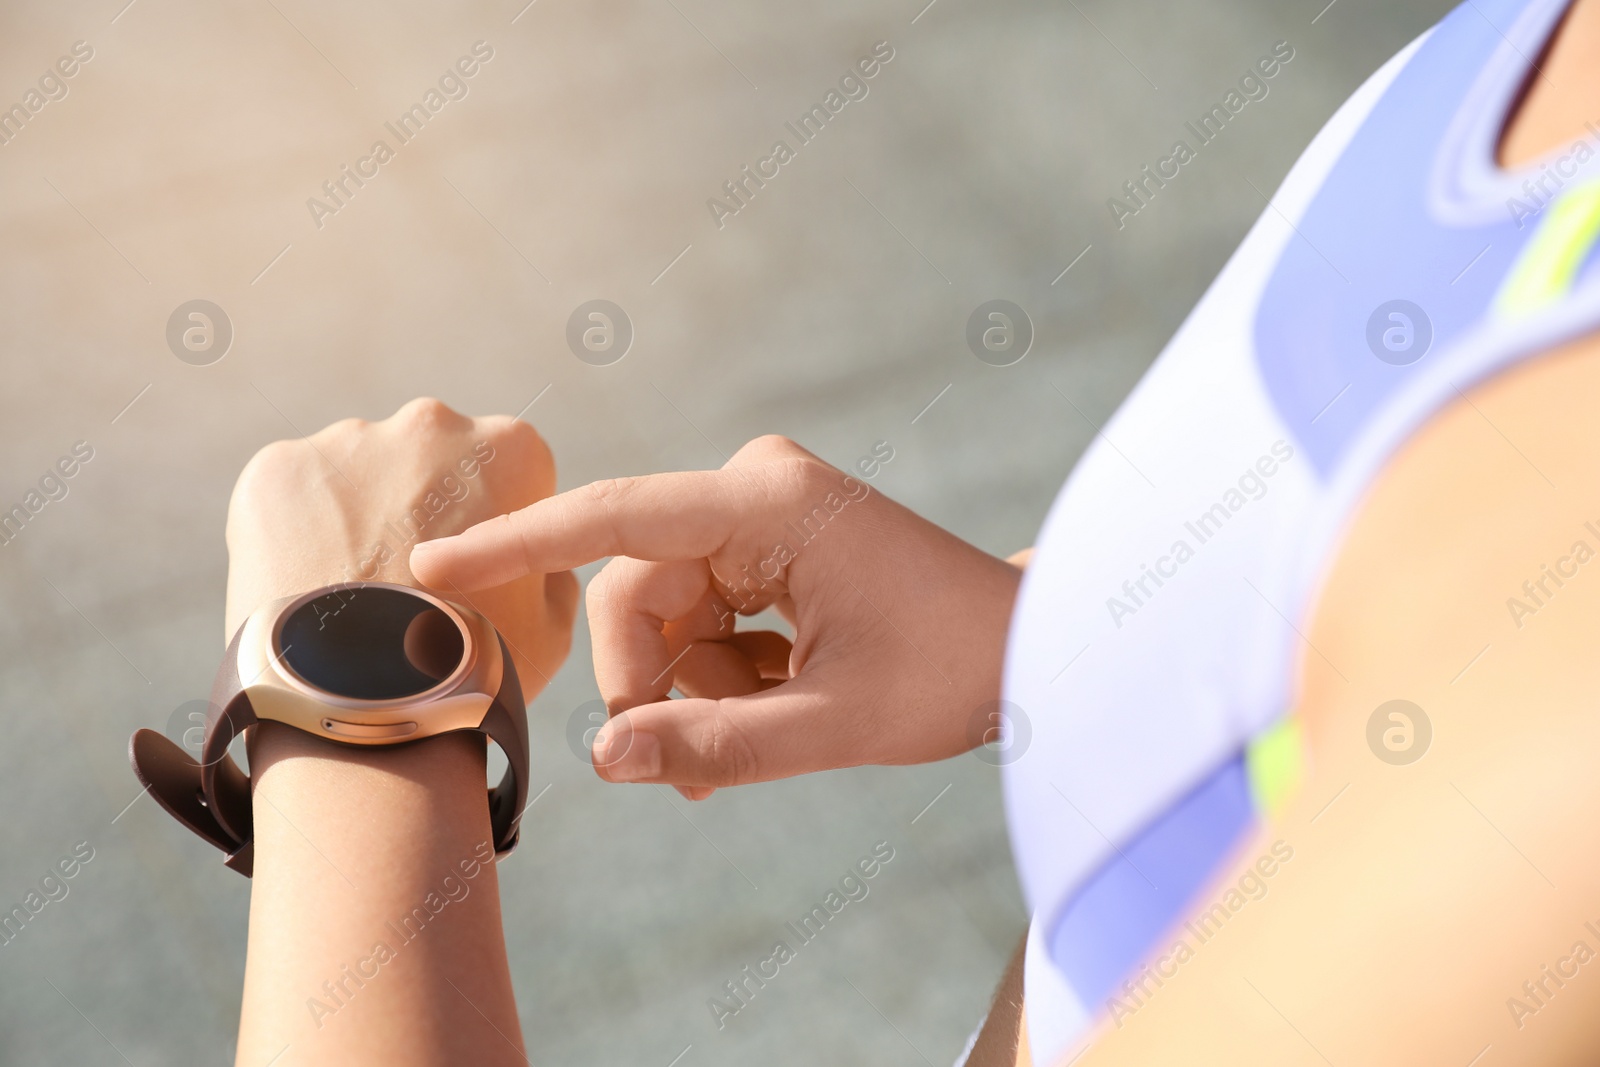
362, 799
375, 895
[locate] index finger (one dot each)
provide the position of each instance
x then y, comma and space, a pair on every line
675, 516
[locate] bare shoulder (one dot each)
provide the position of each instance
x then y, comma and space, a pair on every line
1442, 896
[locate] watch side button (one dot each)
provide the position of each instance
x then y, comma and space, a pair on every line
357, 731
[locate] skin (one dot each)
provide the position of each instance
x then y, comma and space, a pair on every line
1559, 100
1418, 903
1417, 906
349, 839
1410, 871
1404, 892
888, 665
1419, 898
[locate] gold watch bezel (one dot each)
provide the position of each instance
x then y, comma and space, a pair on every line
458, 702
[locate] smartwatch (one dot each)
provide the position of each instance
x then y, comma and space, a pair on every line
358, 663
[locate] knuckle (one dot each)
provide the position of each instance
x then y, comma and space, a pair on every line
727, 752
515, 526
769, 446
342, 428
272, 460
597, 598
613, 593
611, 492
427, 411
508, 427
341, 438
608, 497
499, 425
804, 477
504, 428
528, 447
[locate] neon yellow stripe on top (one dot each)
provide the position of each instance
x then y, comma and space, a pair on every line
1276, 762
1545, 271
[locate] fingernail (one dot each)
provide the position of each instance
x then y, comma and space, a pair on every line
624, 754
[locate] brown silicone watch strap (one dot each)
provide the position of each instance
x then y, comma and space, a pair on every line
506, 724
211, 796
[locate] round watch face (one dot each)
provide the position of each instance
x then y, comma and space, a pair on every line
371, 643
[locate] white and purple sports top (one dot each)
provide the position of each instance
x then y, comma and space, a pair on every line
1154, 652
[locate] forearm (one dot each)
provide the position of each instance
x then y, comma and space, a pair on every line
375, 930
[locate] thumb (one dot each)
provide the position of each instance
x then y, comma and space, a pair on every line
776, 733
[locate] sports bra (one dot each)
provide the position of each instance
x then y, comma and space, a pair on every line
1149, 684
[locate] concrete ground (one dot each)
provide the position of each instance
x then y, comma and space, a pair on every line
177, 164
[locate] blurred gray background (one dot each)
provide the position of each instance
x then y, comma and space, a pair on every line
832, 309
